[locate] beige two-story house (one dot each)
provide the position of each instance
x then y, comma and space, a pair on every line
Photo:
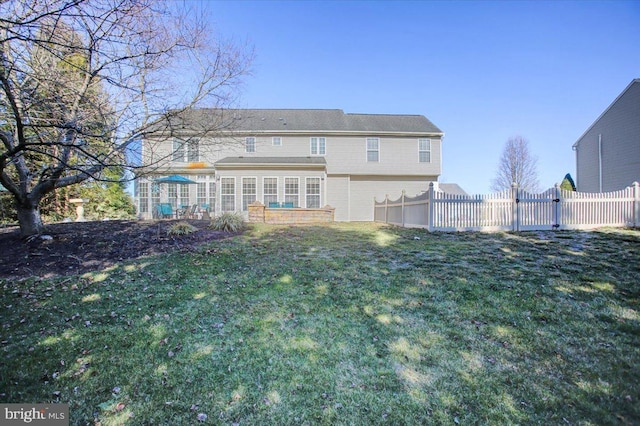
298, 158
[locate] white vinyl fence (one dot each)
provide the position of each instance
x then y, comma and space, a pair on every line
513, 210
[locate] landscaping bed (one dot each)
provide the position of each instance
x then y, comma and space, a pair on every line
78, 247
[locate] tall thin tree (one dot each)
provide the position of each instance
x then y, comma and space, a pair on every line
516, 165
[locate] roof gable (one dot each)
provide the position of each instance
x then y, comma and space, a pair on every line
632, 84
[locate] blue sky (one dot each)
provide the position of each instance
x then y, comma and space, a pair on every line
481, 71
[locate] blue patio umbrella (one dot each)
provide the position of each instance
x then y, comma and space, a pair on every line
175, 179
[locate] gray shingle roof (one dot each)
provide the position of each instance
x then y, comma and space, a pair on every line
303, 120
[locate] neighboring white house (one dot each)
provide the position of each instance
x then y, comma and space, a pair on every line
310, 158
608, 153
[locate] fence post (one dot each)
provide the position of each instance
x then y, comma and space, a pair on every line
636, 204
402, 202
431, 207
515, 209
558, 207
386, 208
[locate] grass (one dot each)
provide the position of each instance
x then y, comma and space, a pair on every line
343, 324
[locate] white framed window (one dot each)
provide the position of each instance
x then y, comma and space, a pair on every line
373, 150
211, 205
269, 190
184, 195
228, 194
276, 141
249, 144
178, 150
318, 146
249, 191
143, 197
201, 191
155, 195
193, 151
206, 192
185, 151
292, 191
172, 194
424, 150
313, 192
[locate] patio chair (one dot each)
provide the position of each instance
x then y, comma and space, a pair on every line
192, 213
288, 204
165, 211
274, 204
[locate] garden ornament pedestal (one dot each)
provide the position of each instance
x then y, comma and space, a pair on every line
79, 202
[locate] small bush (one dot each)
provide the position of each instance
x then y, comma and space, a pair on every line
181, 228
228, 222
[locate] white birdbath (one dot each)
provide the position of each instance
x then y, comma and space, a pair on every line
79, 202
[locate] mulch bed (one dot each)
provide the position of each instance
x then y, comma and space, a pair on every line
78, 247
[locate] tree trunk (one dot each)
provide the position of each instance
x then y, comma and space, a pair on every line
29, 219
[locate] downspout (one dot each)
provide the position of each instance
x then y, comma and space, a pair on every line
600, 161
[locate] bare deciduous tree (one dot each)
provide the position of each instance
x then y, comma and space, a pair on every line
517, 165
82, 81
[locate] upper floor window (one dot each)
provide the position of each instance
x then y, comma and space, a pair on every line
250, 144
373, 149
276, 141
193, 151
318, 146
186, 151
424, 150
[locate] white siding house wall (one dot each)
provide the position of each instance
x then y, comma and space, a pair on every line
338, 196
364, 189
608, 153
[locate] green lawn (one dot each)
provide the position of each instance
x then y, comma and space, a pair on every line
343, 324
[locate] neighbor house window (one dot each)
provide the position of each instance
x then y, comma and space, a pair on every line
318, 146
313, 192
249, 191
270, 190
373, 149
424, 150
292, 191
228, 194
250, 145
276, 141
186, 151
